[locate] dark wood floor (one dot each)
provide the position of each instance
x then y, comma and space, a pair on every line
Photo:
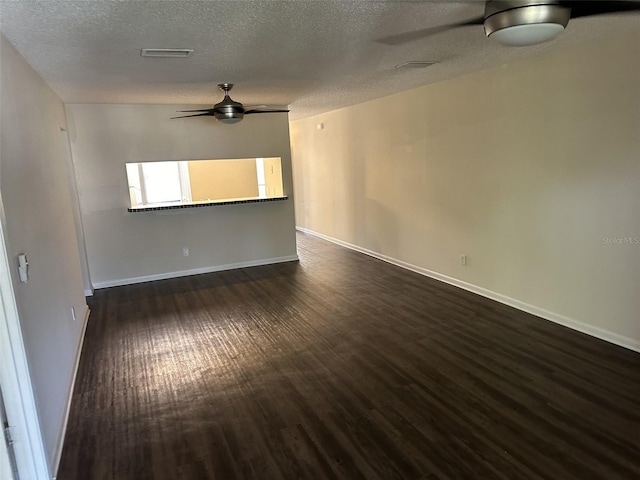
342, 366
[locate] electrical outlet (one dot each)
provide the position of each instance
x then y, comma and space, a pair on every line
463, 259
185, 251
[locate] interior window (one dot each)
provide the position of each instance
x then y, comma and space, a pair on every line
168, 183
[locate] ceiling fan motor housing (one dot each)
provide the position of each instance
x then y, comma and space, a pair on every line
524, 22
228, 110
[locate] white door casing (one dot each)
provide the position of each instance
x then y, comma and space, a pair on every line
15, 379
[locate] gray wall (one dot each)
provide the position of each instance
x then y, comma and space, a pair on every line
39, 221
531, 169
129, 247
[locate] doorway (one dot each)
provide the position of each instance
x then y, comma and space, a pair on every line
15, 382
8, 465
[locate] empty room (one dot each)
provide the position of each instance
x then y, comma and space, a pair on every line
319, 239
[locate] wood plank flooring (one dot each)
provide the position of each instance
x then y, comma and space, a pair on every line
342, 367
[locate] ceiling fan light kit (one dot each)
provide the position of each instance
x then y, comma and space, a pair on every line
228, 111
521, 23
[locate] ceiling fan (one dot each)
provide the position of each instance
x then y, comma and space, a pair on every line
229, 111
525, 22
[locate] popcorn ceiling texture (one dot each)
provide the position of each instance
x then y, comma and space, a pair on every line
314, 55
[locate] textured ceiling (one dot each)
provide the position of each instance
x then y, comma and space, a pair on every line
314, 55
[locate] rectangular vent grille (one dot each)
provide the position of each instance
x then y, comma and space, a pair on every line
166, 52
416, 64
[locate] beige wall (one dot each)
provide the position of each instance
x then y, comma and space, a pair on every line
219, 179
524, 168
38, 220
125, 247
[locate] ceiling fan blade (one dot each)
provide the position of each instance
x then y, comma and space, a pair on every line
589, 8
407, 37
200, 110
248, 112
196, 115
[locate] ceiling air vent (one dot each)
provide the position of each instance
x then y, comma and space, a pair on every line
416, 64
166, 52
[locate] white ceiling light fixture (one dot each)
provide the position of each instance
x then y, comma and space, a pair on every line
519, 23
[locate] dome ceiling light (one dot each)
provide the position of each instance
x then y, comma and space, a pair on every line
517, 23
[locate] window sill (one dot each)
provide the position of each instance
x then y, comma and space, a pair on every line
230, 201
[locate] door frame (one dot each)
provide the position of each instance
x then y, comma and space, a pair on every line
15, 379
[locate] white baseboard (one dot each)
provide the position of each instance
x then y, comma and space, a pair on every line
88, 293
612, 337
58, 451
195, 271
